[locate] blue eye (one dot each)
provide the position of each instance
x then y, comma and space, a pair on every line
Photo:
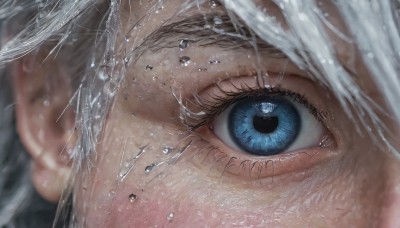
266, 126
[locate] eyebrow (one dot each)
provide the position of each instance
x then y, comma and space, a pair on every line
207, 30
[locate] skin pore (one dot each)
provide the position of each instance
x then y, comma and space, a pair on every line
151, 170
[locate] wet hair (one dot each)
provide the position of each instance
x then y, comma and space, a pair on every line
85, 33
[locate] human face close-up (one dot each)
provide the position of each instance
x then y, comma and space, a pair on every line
199, 113
179, 148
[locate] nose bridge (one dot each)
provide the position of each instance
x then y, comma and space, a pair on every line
390, 209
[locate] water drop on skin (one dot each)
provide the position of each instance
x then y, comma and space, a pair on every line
167, 150
170, 216
149, 67
132, 198
126, 60
184, 61
111, 193
110, 89
214, 3
214, 62
217, 20
102, 75
46, 103
121, 174
183, 44
149, 168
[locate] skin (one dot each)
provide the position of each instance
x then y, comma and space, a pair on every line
350, 180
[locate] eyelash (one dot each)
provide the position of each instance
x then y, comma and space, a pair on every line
199, 113
210, 109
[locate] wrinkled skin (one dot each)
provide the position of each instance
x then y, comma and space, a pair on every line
351, 180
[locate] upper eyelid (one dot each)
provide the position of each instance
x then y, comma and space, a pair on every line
216, 104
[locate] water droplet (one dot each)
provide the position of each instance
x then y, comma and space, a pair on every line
102, 75
149, 168
149, 67
132, 198
111, 193
215, 61
202, 69
184, 61
126, 60
214, 3
92, 65
110, 88
217, 20
167, 150
122, 173
170, 216
183, 44
46, 103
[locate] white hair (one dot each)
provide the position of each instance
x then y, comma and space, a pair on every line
27, 25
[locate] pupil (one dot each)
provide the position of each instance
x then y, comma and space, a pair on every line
265, 125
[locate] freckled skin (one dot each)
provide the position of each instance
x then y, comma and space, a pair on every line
356, 186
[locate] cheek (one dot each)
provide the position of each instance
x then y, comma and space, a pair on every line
170, 195
181, 195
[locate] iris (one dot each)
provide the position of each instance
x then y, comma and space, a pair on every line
264, 126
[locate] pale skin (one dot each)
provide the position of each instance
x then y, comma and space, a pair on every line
350, 180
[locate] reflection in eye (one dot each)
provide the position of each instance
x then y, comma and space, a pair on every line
266, 125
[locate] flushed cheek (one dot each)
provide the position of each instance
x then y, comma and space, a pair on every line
180, 196
160, 209
180, 199
187, 196
183, 199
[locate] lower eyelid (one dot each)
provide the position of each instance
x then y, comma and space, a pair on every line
224, 161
